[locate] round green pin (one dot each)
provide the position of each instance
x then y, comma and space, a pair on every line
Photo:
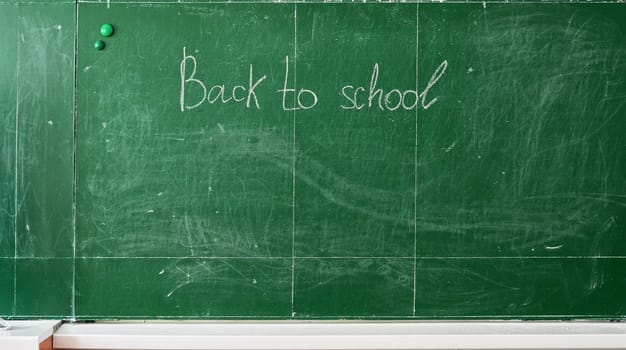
106, 30
99, 45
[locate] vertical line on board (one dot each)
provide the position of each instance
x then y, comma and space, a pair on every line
417, 21
74, 161
293, 164
17, 126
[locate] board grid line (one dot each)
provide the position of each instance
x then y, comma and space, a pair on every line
17, 127
332, 257
417, 21
345, 2
74, 165
293, 163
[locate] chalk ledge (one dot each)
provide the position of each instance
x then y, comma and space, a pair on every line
342, 335
27, 335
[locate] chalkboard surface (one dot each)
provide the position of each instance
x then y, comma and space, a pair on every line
260, 160
36, 157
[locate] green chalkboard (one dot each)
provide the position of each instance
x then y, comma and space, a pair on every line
36, 157
309, 160
240, 160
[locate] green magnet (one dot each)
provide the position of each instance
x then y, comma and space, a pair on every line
99, 45
106, 30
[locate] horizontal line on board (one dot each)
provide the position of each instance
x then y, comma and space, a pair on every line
38, 317
36, 257
242, 257
357, 257
16, 2
316, 257
490, 2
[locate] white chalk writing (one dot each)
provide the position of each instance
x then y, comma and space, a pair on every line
194, 92
219, 92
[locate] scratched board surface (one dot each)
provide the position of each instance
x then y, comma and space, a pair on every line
36, 158
262, 160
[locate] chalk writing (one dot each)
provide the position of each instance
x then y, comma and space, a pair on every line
392, 100
217, 93
301, 92
354, 97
